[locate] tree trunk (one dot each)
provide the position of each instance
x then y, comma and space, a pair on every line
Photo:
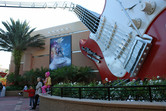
17, 54
17, 69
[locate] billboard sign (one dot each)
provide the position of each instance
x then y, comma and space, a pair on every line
60, 52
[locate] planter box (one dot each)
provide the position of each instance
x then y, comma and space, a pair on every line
13, 93
52, 103
16, 93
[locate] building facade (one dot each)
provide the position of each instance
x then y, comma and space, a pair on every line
36, 58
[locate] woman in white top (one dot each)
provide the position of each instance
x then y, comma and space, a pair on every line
38, 91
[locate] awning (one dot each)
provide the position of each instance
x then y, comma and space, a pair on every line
3, 74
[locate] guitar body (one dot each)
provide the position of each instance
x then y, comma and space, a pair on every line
156, 61
102, 67
104, 43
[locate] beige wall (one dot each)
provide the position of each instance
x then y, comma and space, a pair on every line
52, 103
76, 38
78, 59
36, 58
39, 62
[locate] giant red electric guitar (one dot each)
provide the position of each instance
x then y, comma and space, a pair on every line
128, 40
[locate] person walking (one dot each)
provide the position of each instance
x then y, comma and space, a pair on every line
3, 91
38, 91
1, 86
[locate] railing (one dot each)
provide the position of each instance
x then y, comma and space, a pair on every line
128, 93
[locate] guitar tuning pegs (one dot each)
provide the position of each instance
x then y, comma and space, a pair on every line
137, 23
148, 7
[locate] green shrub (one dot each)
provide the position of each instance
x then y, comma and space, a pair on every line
15, 79
13, 88
72, 74
64, 74
31, 76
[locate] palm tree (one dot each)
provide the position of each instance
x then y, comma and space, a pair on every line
17, 38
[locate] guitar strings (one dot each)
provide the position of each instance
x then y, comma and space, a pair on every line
88, 13
106, 30
82, 14
84, 21
90, 22
112, 49
114, 42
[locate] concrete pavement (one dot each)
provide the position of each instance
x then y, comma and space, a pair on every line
15, 104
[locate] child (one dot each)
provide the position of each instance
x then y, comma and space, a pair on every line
21, 93
47, 82
25, 87
31, 93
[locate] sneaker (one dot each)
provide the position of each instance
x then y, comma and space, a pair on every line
19, 94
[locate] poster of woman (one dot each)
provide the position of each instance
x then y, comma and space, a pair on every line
60, 52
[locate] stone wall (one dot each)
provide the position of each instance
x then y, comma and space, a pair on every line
16, 93
53, 103
12, 93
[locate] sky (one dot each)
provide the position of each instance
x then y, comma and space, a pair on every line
44, 18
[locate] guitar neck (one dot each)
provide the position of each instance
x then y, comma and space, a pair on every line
89, 18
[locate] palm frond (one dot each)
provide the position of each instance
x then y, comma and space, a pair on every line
18, 36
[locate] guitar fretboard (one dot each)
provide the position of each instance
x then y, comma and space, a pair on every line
88, 18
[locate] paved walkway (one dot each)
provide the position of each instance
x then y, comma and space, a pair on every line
15, 104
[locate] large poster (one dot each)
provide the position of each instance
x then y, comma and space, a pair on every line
60, 52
